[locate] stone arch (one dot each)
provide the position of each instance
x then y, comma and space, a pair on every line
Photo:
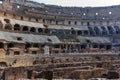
79, 32
67, 32
95, 46
10, 45
16, 27
27, 45
86, 33
83, 46
108, 47
53, 31
8, 26
25, 28
60, 31
91, 31
117, 29
97, 31
73, 31
104, 31
110, 29
40, 30
102, 46
32, 29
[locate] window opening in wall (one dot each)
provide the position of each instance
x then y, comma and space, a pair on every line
67, 32
25, 28
75, 23
82, 23
10, 45
36, 20
91, 31
1, 45
73, 31
19, 38
16, 27
69, 22
85, 32
97, 31
110, 29
79, 33
56, 22
28, 45
53, 31
117, 29
43, 20
88, 23
104, 31
95, 46
32, 29
102, 46
8, 25
60, 31
16, 53
21, 18
36, 45
40, 30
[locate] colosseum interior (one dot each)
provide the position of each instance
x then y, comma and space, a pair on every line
39, 41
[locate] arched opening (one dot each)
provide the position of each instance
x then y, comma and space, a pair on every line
88, 23
67, 32
113, 75
117, 29
102, 46
1, 25
28, 45
1, 45
32, 29
91, 31
95, 46
83, 46
60, 32
10, 45
85, 32
73, 31
108, 47
3, 64
79, 32
104, 31
17, 27
110, 29
97, 31
36, 45
40, 30
25, 28
54, 31
8, 26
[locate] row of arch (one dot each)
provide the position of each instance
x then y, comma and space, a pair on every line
17, 27
102, 30
109, 30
